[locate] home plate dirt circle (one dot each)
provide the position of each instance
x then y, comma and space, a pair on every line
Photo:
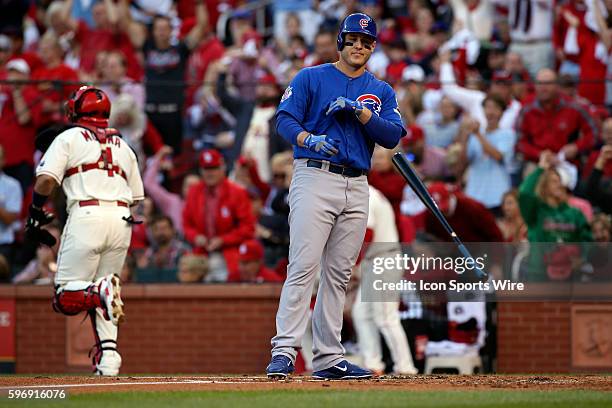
75, 384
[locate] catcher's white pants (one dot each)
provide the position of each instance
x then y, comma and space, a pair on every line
94, 244
370, 318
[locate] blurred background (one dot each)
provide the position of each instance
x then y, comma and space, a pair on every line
507, 105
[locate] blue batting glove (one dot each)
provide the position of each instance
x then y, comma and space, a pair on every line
345, 104
321, 144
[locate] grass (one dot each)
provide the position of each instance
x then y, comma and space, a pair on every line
329, 398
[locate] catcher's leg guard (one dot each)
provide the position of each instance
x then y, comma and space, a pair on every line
75, 297
106, 360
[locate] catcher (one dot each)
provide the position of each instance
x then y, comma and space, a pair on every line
100, 177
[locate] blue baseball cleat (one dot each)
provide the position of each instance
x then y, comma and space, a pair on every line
342, 371
280, 367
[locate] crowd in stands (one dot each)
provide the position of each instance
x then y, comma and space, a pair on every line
506, 104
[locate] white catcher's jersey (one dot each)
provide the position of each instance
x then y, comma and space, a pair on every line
76, 149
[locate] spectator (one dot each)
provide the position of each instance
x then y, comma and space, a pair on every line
109, 32
217, 218
606, 138
531, 24
511, 224
471, 100
570, 14
131, 121
428, 160
170, 204
475, 15
589, 41
41, 270
569, 179
11, 197
192, 269
251, 268
273, 224
244, 66
165, 249
241, 109
489, 156
165, 71
544, 205
325, 49
257, 139
553, 122
411, 93
16, 123
210, 50
599, 185
56, 81
422, 42
117, 83
22, 49
599, 253
602, 228
443, 130
293, 28
212, 124
245, 174
470, 219
397, 53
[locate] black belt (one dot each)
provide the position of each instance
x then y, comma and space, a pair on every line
334, 168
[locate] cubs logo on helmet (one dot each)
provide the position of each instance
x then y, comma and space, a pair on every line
364, 22
372, 102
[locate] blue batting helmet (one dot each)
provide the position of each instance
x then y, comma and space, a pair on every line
356, 23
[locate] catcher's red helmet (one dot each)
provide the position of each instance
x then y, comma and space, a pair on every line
89, 104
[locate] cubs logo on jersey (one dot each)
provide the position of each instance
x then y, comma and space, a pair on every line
372, 102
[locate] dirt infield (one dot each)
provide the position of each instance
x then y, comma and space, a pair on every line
74, 384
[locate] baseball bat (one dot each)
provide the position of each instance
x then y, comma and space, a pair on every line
407, 171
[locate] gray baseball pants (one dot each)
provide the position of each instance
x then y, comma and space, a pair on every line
327, 223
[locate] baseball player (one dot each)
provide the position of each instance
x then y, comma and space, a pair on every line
100, 177
333, 114
370, 318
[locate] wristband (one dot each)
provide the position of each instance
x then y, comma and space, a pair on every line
38, 200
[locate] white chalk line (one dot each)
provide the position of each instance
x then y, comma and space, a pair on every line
128, 383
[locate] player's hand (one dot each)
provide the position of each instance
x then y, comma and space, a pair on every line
321, 144
33, 227
344, 104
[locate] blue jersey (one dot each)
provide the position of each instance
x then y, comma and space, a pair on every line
308, 97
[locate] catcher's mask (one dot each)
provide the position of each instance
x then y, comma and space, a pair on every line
88, 105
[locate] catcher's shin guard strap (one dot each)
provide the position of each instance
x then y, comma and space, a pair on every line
100, 347
72, 300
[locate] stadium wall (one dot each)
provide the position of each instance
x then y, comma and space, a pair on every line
227, 329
